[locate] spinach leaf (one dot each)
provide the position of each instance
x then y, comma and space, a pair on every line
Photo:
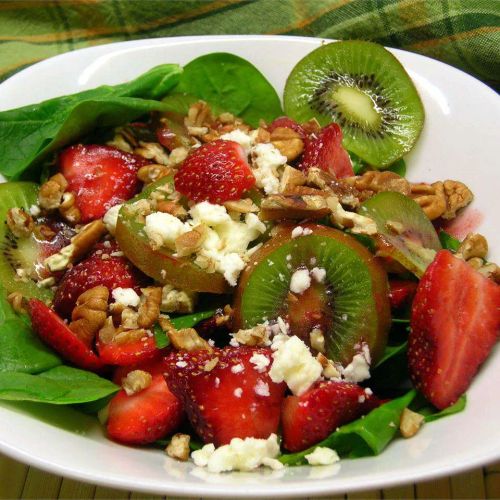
190, 320
60, 385
431, 413
358, 165
229, 83
398, 167
448, 241
363, 437
30, 133
179, 103
161, 338
391, 351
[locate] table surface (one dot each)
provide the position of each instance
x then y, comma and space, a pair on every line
20, 481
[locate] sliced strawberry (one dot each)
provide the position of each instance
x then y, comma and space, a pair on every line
325, 151
216, 172
455, 323
231, 399
286, 122
100, 177
401, 292
146, 416
311, 417
129, 353
100, 268
54, 332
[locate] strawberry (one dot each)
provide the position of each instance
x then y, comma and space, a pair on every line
55, 332
147, 415
455, 323
216, 172
286, 122
128, 353
311, 417
325, 151
156, 366
110, 271
100, 177
231, 399
401, 292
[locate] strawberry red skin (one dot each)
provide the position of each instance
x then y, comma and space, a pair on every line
401, 292
100, 177
54, 332
455, 323
325, 151
311, 417
213, 408
129, 353
112, 272
145, 416
216, 172
286, 122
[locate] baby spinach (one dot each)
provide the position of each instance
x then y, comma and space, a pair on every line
448, 241
189, 320
391, 351
30, 133
229, 83
161, 338
60, 385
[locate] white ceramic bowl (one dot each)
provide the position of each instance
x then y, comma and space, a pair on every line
459, 141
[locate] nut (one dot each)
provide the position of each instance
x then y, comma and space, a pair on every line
89, 315
210, 364
374, 181
68, 209
108, 331
199, 115
172, 208
127, 336
311, 127
410, 423
490, 270
179, 301
18, 302
19, 222
329, 368
186, 339
474, 245
243, 206
457, 196
178, 447
262, 136
136, 381
291, 178
153, 172
256, 336
51, 191
177, 156
149, 309
430, 197
152, 151
347, 194
129, 319
358, 224
276, 207
120, 142
190, 242
289, 142
317, 340
226, 118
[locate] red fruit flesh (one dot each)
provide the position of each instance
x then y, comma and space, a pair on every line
111, 272
401, 292
325, 151
155, 366
286, 122
100, 177
216, 172
311, 417
222, 403
455, 323
54, 332
146, 416
127, 354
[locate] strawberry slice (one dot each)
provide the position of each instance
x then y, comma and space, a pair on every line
100, 268
216, 172
54, 332
455, 323
311, 417
228, 399
130, 353
286, 122
100, 177
325, 151
145, 416
401, 292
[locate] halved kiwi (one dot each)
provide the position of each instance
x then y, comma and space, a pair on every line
19, 253
365, 89
405, 233
350, 306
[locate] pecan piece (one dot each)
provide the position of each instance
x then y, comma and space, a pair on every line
457, 196
374, 181
289, 142
19, 222
51, 192
149, 310
474, 245
277, 207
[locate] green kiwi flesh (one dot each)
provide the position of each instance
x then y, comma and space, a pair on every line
365, 89
405, 233
18, 252
356, 286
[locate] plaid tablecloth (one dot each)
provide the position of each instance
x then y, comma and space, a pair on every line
463, 33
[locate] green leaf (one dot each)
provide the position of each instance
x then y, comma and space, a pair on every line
30, 133
432, 414
229, 83
448, 241
61, 385
161, 338
363, 437
190, 320
391, 351
398, 167
179, 103
358, 165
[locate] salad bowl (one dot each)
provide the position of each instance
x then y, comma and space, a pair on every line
459, 140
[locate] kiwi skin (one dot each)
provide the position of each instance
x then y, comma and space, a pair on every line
374, 73
380, 289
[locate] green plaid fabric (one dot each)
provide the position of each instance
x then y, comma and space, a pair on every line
463, 33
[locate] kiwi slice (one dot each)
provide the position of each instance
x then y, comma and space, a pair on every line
19, 253
362, 87
350, 306
405, 233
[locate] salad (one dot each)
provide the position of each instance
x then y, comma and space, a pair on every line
239, 284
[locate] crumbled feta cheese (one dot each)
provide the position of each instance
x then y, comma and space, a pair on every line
240, 454
261, 361
238, 392
230, 266
300, 281
244, 140
295, 365
318, 274
266, 161
35, 210
261, 388
111, 218
283, 326
163, 229
359, 224
278, 341
322, 456
253, 222
359, 368
297, 231
209, 214
237, 368
126, 297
